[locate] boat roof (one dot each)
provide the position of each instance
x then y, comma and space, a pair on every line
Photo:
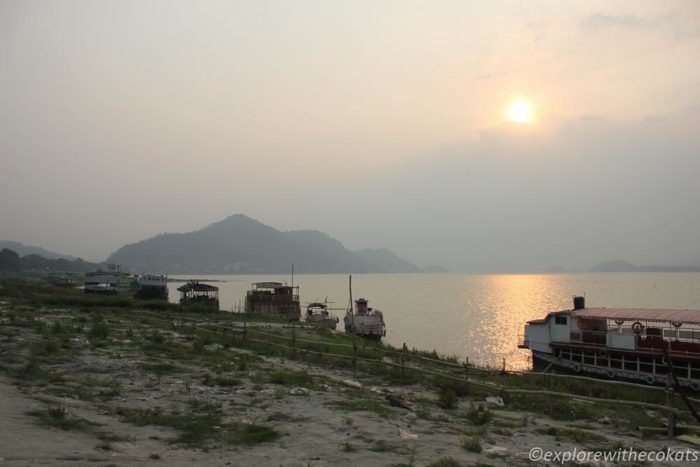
271, 285
196, 287
640, 314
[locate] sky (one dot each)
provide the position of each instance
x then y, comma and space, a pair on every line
381, 123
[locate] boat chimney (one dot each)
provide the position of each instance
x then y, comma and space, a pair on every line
579, 303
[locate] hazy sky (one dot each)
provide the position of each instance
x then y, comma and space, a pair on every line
382, 123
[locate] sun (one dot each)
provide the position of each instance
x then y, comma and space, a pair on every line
521, 112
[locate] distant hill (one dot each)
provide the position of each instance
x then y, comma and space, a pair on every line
434, 270
626, 266
383, 260
24, 250
241, 245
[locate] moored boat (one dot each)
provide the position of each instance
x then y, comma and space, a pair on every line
317, 314
364, 321
152, 286
274, 298
652, 346
109, 282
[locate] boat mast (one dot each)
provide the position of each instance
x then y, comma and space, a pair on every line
352, 321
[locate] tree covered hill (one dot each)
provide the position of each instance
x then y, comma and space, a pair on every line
241, 245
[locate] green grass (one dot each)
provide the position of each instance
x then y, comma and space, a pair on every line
478, 415
472, 443
202, 425
58, 417
249, 434
160, 369
384, 446
445, 462
193, 429
364, 405
580, 436
291, 378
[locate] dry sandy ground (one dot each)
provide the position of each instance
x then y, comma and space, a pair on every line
317, 426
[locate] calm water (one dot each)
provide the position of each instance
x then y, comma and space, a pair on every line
479, 316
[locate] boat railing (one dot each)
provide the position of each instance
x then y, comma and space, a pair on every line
522, 342
686, 344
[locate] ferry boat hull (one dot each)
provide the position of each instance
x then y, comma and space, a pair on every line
654, 347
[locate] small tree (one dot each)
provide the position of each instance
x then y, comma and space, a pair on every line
9, 261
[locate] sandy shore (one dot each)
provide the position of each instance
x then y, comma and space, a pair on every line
142, 396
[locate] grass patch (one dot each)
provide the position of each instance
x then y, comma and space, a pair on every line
478, 415
580, 436
249, 434
58, 417
383, 446
196, 430
472, 443
445, 462
160, 369
99, 330
193, 430
363, 406
291, 378
347, 447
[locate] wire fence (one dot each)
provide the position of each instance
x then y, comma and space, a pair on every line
243, 335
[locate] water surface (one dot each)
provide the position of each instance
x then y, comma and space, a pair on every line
479, 316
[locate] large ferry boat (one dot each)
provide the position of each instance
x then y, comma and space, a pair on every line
641, 345
109, 282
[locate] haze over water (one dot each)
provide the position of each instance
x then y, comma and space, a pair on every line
479, 316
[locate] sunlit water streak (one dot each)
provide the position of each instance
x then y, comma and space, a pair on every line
479, 316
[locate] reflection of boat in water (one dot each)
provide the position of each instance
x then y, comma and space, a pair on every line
317, 314
640, 345
365, 322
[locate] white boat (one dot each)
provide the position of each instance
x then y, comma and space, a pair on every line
642, 345
317, 314
364, 321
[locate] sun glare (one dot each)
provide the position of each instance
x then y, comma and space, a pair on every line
520, 111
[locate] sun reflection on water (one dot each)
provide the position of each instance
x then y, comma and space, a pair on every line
475, 316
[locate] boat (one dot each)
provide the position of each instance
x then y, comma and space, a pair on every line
152, 287
650, 346
317, 314
62, 279
364, 321
194, 293
109, 282
274, 298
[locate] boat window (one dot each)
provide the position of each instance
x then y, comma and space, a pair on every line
560, 320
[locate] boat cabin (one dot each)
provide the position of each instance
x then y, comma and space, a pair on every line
625, 343
196, 293
275, 298
152, 287
111, 281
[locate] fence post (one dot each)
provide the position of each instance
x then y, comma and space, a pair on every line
466, 373
268, 336
503, 370
294, 341
669, 403
245, 332
403, 358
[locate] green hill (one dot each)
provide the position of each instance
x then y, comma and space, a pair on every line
241, 245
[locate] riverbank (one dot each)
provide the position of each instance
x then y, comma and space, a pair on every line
106, 385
